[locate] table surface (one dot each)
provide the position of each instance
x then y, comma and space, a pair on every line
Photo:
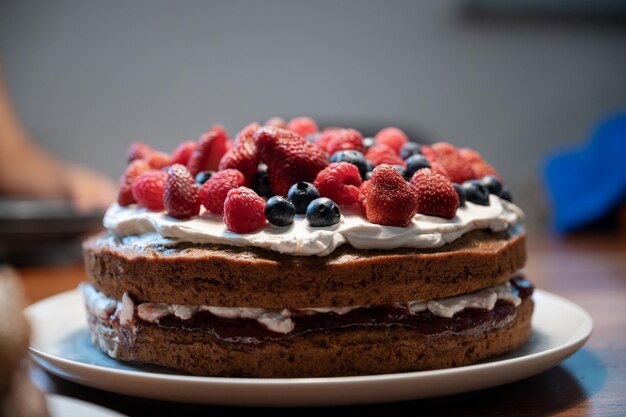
588, 269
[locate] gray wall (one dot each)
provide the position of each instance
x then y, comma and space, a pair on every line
88, 77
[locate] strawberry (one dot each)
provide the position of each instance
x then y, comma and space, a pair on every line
180, 196
244, 211
451, 160
362, 200
340, 182
158, 160
479, 165
125, 192
383, 154
214, 191
392, 137
137, 150
436, 195
243, 156
303, 126
211, 147
183, 152
289, 158
148, 189
389, 199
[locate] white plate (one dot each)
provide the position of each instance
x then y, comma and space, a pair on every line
59, 406
60, 344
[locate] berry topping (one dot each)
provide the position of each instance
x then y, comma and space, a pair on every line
279, 211
392, 137
356, 158
138, 150
303, 126
180, 197
389, 199
415, 163
301, 194
148, 189
340, 182
244, 211
158, 160
368, 142
401, 170
204, 176
278, 122
214, 191
261, 183
478, 164
458, 169
383, 154
460, 191
492, 184
340, 140
211, 147
476, 193
363, 190
183, 152
243, 156
436, 195
323, 212
290, 158
505, 194
409, 149
125, 192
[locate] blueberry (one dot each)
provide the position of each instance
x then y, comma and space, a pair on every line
370, 165
369, 142
461, 193
279, 211
323, 212
492, 184
368, 176
400, 169
476, 192
354, 157
505, 194
204, 176
414, 163
410, 149
261, 184
301, 194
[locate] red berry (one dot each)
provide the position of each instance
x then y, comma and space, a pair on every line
243, 156
180, 197
138, 150
392, 137
436, 167
183, 152
244, 211
211, 147
125, 192
278, 122
148, 189
363, 190
340, 182
480, 167
389, 199
214, 191
436, 195
158, 160
383, 154
451, 160
341, 140
303, 126
289, 158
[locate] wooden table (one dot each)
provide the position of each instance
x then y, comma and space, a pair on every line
589, 270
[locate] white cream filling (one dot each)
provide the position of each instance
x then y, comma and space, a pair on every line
280, 320
302, 240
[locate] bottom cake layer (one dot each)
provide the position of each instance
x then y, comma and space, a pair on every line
350, 350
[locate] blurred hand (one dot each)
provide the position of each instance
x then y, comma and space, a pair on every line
88, 190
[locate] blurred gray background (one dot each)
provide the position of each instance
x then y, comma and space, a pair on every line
89, 77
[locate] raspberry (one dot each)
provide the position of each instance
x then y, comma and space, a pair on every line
392, 137
180, 197
479, 165
389, 199
137, 150
278, 122
363, 190
340, 182
383, 154
436, 167
303, 126
243, 156
214, 191
158, 160
436, 195
183, 152
211, 147
343, 140
148, 189
125, 192
451, 160
244, 211
289, 158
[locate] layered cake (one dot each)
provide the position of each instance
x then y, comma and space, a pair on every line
294, 252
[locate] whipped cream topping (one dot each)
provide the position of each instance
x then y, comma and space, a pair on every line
300, 239
281, 320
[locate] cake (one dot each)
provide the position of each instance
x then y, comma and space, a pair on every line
294, 252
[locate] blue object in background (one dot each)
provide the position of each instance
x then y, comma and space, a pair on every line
586, 184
